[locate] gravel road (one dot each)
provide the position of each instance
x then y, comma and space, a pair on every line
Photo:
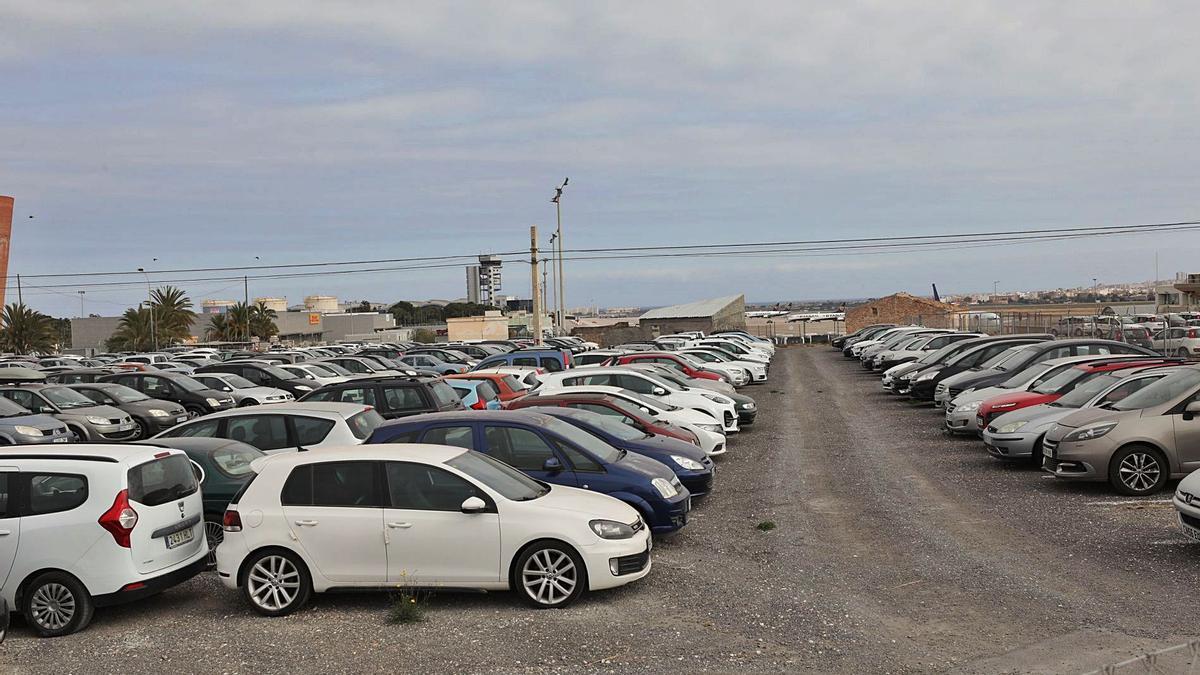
896, 549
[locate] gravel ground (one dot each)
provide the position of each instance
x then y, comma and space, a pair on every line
897, 549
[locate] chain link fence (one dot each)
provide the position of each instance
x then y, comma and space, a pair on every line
1181, 659
1065, 324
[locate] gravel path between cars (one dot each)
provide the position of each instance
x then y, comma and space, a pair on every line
897, 549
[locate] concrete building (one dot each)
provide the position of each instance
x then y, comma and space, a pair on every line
902, 308
216, 306
727, 313
491, 326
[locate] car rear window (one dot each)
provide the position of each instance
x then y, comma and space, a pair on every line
444, 393
486, 391
362, 424
162, 480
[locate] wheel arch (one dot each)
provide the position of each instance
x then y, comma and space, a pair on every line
18, 596
512, 562
244, 566
1172, 465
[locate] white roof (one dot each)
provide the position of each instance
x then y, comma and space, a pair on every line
413, 452
700, 308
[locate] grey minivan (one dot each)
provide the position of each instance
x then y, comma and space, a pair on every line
87, 420
18, 426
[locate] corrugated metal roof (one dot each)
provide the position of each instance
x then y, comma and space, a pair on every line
692, 310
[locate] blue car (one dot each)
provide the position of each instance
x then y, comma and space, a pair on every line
550, 360
476, 394
551, 450
690, 463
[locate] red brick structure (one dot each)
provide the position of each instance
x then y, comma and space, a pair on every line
901, 308
6, 213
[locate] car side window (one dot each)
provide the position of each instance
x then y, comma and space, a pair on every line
427, 488
520, 448
54, 493
1088, 350
403, 398
525, 361
580, 461
600, 380
204, 429
359, 395
21, 398
551, 364
5, 482
96, 396
156, 387
459, 437
633, 383
354, 484
311, 430
265, 432
1126, 389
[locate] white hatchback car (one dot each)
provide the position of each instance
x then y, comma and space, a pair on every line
721, 408
415, 515
286, 426
94, 525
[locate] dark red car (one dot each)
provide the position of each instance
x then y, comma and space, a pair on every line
1056, 386
667, 359
609, 405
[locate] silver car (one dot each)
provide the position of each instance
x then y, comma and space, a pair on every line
1018, 434
243, 391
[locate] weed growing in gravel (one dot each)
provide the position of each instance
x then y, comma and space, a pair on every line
407, 607
766, 526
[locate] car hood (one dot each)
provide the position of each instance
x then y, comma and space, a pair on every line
260, 392
664, 444
591, 504
1190, 484
106, 411
145, 406
1040, 414
645, 465
40, 422
1085, 416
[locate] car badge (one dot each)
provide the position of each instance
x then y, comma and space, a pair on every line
180, 509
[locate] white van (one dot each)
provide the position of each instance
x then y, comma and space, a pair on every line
94, 525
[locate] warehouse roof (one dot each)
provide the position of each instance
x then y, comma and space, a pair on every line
692, 310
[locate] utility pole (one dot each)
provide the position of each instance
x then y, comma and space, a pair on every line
537, 296
81, 314
544, 266
562, 303
246, 303
150, 306
551, 298
20, 299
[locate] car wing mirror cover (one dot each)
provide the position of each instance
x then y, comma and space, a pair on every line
552, 465
473, 505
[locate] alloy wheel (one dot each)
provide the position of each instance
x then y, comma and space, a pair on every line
273, 583
140, 428
549, 576
1139, 471
215, 534
52, 606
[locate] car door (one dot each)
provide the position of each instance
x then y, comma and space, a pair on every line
429, 539
527, 451
10, 524
335, 511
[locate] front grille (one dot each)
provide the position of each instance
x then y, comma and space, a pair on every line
1049, 447
50, 432
1194, 522
954, 391
631, 564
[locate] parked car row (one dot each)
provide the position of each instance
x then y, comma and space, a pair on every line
511, 475
1082, 409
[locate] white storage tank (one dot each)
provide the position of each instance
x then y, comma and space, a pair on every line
321, 303
277, 304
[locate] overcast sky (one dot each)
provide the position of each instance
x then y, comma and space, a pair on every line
204, 134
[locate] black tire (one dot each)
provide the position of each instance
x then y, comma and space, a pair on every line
1138, 470
247, 402
539, 569
194, 411
1182, 353
253, 583
1037, 456
215, 534
80, 435
143, 428
56, 604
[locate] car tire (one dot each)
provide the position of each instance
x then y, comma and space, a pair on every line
81, 435
247, 402
142, 427
194, 411
275, 582
1036, 456
1182, 352
540, 568
215, 534
1138, 470
56, 604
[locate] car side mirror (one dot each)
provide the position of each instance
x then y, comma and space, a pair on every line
46, 410
659, 391
473, 505
1192, 408
552, 465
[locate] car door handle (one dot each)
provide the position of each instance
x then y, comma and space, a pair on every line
5, 533
306, 523
402, 526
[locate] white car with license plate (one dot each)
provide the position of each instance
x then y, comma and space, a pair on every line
418, 515
1187, 505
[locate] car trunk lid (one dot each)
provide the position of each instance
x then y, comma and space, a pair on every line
166, 497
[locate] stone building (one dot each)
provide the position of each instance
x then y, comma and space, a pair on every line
901, 308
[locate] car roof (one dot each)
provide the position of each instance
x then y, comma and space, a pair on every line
119, 452
419, 452
324, 408
522, 416
195, 443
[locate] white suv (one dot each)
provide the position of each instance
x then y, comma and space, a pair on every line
414, 515
94, 525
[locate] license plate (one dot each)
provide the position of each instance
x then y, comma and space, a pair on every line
63, 439
1189, 531
181, 420
180, 538
125, 427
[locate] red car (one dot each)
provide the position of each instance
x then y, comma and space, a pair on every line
1056, 386
507, 386
609, 405
667, 359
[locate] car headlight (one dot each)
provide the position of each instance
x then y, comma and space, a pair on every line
1010, 427
717, 399
689, 464
664, 488
714, 428
1004, 406
156, 412
96, 420
212, 402
611, 529
968, 407
27, 431
304, 387
925, 377
747, 406
1088, 433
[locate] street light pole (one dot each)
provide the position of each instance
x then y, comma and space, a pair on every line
562, 304
150, 306
548, 300
81, 314
995, 290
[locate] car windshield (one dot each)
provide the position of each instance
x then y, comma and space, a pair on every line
362, 424
10, 409
187, 383
1086, 390
444, 393
279, 372
583, 440
328, 370
1026, 376
237, 381
1008, 358
498, 476
609, 424
67, 398
1061, 380
124, 394
1166, 389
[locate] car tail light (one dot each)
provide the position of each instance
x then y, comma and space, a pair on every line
120, 519
231, 521
1191, 332
479, 403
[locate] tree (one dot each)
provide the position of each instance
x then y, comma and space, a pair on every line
173, 314
424, 335
220, 329
23, 330
455, 310
133, 332
262, 321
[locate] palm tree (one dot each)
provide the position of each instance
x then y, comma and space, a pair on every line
239, 319
173, 314
262, 321
220, 329
133, 331
23, 330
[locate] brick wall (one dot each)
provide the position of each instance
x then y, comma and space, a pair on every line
900, 309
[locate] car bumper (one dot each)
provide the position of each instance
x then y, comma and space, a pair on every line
1087, 460
1010, 446
670, 516
631, 557
156, 424
698, 483
961, 422
747, 416
152, 585
1188, 516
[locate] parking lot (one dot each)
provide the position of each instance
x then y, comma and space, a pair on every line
896, 549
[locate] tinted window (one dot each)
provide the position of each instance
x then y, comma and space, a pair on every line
362, 424
633, 383
551, 364
297, 491
1087, 350
162, 480
525, 361
311, 430
459, 437
426, 488
156, 387
52, 493
265, 432
519, 448
346, 484
403, 398
4, 493
23, 398
205, 428
359, 395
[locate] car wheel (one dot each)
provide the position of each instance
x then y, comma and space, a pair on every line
56, 604
1182, 352
247, 402
1036, 456
78, 432
276, 582
1078, 332
193, 411
215, 534
142, 429
1138, 470
550, 575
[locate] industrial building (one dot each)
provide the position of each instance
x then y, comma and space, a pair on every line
727, 313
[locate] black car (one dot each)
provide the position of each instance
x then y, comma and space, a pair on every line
195, 398
921, 384
393, 397
840, 342
151, 415
263, 376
